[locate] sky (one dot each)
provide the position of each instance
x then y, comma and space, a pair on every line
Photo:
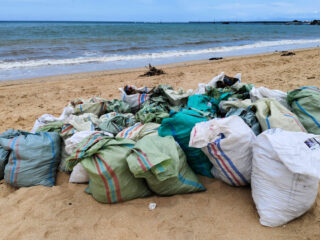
159, 10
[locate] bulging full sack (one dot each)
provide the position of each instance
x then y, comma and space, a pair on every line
79, 174
305, 104
139, 130
227, 142
104, 159
179, 125
33, 157
94, 105
163, 164
271, 114
285, 175
134, 96
262, 92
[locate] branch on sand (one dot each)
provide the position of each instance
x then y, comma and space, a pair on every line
153, 71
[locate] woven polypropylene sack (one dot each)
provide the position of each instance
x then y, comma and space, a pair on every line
285, 175
33, 158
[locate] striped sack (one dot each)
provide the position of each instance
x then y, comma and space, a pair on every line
139, 130
33, 158
272, 114
104, 159
162, 163
228, 144
305, 104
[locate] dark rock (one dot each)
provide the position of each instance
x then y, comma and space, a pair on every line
315, 22
215, 58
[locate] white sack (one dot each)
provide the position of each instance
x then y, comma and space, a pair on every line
285, 175
79, 174
228, 144
262, 92
135, 100
46, 118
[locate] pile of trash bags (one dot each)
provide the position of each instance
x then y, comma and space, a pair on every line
156, 141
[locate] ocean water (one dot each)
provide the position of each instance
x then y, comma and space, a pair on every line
34, 49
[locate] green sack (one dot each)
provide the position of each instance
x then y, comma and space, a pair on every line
33, 157
118, 106
305, 103
104, 159
95, 105
226, 106
272, 114
163, 164
139, 130
179, 125
115, 122
153, 112
52, 127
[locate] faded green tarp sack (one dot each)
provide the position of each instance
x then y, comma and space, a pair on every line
95, 105
163, 164
248, 116
84, 122
226, 106
171, 97
33, 158
104, 159
272, 114
153, 112
118, 106
139, 130
115, 122
305, 103
179, 125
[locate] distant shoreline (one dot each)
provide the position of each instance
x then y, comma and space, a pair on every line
160, 22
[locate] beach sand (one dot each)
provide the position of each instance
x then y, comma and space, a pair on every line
222, 212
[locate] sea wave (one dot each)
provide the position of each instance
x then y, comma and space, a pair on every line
4, 65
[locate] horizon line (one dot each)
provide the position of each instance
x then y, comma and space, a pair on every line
221, 21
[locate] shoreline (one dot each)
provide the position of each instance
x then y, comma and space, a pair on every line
70, 76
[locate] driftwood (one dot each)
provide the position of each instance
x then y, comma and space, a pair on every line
215, 58
152, 71
286, 53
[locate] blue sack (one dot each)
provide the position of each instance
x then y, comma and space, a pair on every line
32, 158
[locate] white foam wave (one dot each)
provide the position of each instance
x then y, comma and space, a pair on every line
166, 54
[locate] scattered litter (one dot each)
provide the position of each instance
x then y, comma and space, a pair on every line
152, 206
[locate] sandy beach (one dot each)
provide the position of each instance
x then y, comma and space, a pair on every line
222, 212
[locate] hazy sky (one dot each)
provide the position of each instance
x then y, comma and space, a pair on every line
158, 10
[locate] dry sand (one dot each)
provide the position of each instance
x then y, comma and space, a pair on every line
222, 212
